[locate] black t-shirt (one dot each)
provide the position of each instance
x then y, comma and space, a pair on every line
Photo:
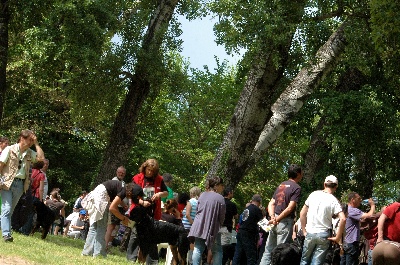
250, 217
285, 193
231, 210
114, 188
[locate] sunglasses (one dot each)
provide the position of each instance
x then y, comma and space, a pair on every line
19, 164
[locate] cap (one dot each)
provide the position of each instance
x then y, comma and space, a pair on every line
256, 198
82, 212
331, 179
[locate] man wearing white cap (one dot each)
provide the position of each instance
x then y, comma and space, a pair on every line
316, 222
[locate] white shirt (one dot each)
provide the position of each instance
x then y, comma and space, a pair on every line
321, 207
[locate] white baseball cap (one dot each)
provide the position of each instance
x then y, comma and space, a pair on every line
331, 179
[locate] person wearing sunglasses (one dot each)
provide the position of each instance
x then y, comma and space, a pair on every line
15, 162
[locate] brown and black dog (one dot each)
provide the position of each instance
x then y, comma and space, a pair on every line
45, 218
151, 232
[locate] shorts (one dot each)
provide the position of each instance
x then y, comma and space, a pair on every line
113, 219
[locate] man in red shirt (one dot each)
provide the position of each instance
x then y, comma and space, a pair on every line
387, 250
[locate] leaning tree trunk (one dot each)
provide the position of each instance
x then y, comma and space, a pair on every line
4, 19
123, 130
291, 100
253, 108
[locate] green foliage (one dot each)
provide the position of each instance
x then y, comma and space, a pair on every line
184, 124
385, 25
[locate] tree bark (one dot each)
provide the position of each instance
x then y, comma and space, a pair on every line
253, 109
291, 100
4, 19
317, 152
124, 127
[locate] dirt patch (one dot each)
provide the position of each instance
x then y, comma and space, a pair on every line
13, 260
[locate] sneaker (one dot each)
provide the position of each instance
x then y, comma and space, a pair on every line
8, 238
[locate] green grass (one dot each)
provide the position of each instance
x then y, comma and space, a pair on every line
53, 250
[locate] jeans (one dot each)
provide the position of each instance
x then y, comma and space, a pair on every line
370, 257
351, 254
10, 199
246, 244
95, 244
315, 249
200, 245
281, 233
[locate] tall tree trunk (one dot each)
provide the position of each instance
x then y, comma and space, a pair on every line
291, 100
4, 19
317, 152
123, 131
253, 109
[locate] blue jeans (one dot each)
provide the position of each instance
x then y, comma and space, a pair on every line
10, 199
370, 257
200, 245
351, 254
281, 233
95, 244
315, 249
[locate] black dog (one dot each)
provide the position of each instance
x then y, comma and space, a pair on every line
45, 218
151, 232
290, 253
287, 253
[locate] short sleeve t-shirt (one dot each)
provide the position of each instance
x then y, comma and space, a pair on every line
37, 176
231, 211
114, 188
353, 225
391, 228
250, 217
286, 192
322, 206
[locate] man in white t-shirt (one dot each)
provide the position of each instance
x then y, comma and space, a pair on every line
316, 222
77, 224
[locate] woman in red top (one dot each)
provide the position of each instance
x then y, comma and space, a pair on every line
154, 189
153, 186
37, 180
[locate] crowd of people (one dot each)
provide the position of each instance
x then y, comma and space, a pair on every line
215, 231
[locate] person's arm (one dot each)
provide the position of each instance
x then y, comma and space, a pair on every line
114, 210
271, 211
39, 151
62, 212
41, 190
1, 166
371, 211
159, 195
188, 210
381, 224
295, 230
341, 226
303, 219
289, 209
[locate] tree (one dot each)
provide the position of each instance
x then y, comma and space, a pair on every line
4, 19
124, 128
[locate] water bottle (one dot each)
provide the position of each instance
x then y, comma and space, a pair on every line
365, 202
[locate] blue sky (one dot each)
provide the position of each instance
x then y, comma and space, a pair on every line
199, 46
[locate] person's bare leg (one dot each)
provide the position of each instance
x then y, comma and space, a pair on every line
110, 229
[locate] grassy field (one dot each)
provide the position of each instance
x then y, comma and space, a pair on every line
31, 250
